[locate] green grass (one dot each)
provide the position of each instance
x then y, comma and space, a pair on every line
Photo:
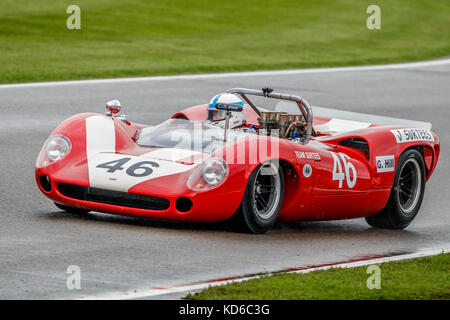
140, 37
424, 279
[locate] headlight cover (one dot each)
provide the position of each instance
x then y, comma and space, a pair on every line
213, 172
208, 175
55, 148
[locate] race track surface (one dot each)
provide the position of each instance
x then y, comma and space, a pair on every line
38, 242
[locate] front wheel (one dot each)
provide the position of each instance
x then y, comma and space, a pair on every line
70, 209
406, 194
262, 199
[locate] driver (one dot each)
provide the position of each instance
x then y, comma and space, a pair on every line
217, 117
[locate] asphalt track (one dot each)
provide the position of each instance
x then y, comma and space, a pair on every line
116, 254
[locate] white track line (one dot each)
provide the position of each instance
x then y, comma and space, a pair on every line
410, 65
158, 291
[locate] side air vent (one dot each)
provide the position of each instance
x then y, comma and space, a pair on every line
116, 198
356, 143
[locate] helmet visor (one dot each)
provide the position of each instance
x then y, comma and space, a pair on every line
216, 115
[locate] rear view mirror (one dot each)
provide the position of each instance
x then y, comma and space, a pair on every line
229, 107
113, 107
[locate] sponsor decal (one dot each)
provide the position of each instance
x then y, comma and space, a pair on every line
385, 163
307, 155
300, 155
307, 170
412, 134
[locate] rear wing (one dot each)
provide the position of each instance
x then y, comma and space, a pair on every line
355, 116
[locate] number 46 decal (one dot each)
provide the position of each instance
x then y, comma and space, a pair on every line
136, 170
340, 175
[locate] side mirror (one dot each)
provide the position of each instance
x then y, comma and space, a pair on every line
229, 107
113, 106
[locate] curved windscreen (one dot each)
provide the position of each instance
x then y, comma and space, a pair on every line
186, 134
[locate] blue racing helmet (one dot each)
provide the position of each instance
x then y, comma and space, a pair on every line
217, 117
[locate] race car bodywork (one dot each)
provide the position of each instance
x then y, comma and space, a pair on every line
338, 167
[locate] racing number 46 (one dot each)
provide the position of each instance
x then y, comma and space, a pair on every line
138, 169
339, 174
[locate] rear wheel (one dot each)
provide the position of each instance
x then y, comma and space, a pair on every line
262, 199
406, 195
70, 209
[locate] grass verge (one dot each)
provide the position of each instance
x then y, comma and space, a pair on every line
424, 279
138, 37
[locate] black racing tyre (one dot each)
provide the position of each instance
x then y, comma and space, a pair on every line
70, 209
262, 199
406, 194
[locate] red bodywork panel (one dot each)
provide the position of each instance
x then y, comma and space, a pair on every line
343, 183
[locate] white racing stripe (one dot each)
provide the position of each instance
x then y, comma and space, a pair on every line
135, 170
340, 125
120, 172
159, 291
410, 65
100, 137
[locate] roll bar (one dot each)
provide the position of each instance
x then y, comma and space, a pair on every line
303, 105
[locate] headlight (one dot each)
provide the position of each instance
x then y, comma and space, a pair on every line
55, 148
207, 176
214, 170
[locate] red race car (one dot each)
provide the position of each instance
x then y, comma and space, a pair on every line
231, 159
